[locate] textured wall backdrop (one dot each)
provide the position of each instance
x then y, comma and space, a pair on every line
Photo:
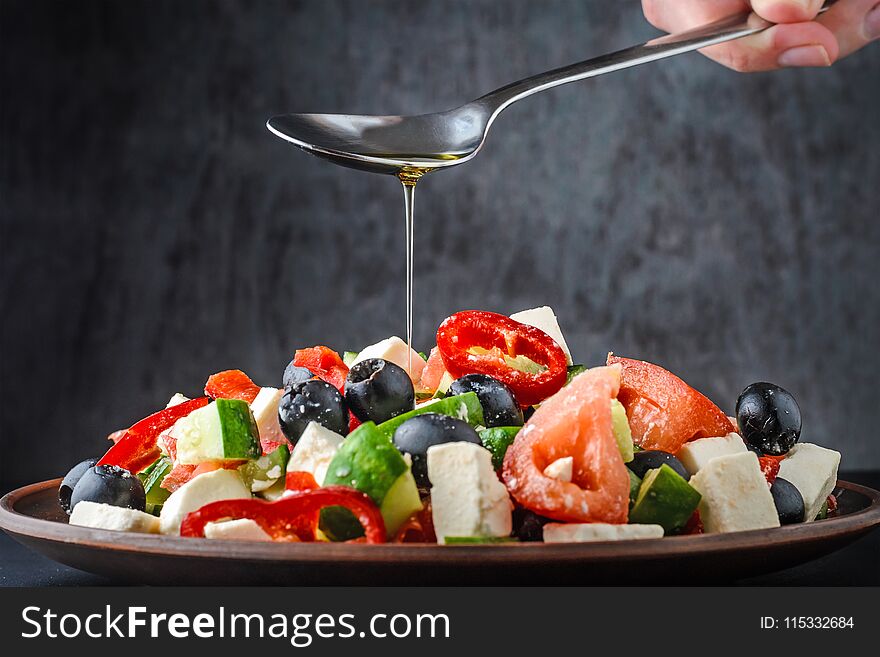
723, 225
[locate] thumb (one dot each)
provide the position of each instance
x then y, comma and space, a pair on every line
787, 11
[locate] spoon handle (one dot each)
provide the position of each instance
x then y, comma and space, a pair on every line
726, 29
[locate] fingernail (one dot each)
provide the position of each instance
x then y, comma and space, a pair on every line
872, 23
805, 56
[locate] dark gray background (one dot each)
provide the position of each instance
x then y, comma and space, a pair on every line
153, 231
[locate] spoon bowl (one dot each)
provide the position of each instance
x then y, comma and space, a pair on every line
395, 144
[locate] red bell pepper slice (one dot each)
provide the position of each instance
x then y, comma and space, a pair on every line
498, 336
231, 384
324, 363
137, 449
293, 517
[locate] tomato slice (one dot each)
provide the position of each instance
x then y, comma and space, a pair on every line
324, 363
231, 384
664, 412
574, 422
769, 468
433, 372
477, 341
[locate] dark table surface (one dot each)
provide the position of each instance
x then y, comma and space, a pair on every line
855, 565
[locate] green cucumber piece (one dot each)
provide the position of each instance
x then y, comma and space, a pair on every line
369, 462
573, 371
224, 430
465, 407
823, 512
621, 430
634, 484
261, 473
476, 540
664, 499
152, 478
348, 357
497, 440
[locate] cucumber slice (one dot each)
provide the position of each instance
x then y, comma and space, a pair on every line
152, 478
497, 440
573, 371
260, 474
476, 540
349, 357
621, 430
224, 430
664, 499
465, 407
369, 462
634, 484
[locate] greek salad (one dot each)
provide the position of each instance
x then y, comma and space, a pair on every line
494, 436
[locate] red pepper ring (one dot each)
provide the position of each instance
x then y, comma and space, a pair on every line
137, 448
293, 517
502, 336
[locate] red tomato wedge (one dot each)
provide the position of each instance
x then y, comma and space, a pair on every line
665, 412
231, 384
433, 372
574, 422
324, 363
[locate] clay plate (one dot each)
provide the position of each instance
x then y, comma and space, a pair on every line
32, 516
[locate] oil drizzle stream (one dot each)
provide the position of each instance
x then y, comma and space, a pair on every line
409, 177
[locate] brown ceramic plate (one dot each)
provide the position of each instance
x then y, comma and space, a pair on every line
32, 516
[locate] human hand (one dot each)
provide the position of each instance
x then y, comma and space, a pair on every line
800, 38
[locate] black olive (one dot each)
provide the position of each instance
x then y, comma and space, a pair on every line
651, 459
377, 390
65, 490
109, 484
295, 374
788, 500
528, 526
497, 399
417, 434
312, 401
768, 418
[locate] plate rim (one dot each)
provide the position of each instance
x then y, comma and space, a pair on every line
18, 524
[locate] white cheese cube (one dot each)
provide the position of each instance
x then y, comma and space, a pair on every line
735, 493
697, 453
555, 532
466, 497
243, 529
813, 471
116, 518
560, 469
545, 319
193, 495
315, 449
395, 350
265, 410
176, 398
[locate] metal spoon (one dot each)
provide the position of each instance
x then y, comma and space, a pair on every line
391, 144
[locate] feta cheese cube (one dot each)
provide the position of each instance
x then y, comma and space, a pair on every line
697, 453
466, 497
395, 350
545, 319
813, 471
735, 494
265, 410
115, 518
560, 469
243, 529
206, 488
315, 449
176, 398
555, 532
